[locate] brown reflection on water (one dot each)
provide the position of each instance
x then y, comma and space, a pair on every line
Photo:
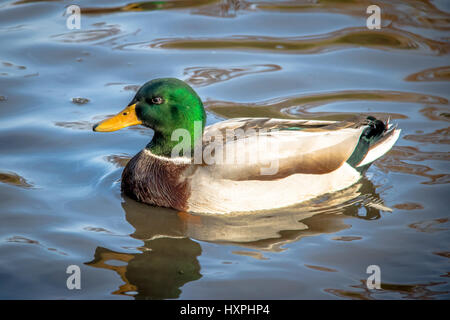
422, 13
14, 179
440, 136
347, 238
223, 8
300, 106
445, 254
320, 268
11, 69
399, 161
429, 226
31, 1
168, 258
421, 291
436, 113
27, 241
389, 39
148, 6
408, 206
432, 74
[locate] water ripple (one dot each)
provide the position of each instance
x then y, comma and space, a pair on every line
398, 160
147, 6
14, 179
388, 39
204, 76
300, 105
432, 74
88, 35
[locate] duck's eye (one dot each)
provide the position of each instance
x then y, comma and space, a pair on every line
157, 100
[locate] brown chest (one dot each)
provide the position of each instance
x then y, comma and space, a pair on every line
156, 181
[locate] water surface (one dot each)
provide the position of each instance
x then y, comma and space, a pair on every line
60, 200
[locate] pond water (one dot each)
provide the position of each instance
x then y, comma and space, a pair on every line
60, 200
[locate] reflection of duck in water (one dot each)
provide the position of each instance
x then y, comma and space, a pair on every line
267, 230
169, 258
242, 164
159, 272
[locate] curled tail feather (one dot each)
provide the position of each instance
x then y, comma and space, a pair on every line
376, 140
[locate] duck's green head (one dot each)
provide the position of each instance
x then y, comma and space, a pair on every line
163, 105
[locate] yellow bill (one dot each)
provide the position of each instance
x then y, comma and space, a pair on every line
125, 118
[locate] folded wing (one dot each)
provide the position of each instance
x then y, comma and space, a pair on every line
269, 149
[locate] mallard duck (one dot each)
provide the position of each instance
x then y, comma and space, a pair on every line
306, 158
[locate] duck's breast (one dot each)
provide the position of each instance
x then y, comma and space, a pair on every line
155, 180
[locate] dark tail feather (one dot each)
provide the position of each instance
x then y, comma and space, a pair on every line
369, 137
